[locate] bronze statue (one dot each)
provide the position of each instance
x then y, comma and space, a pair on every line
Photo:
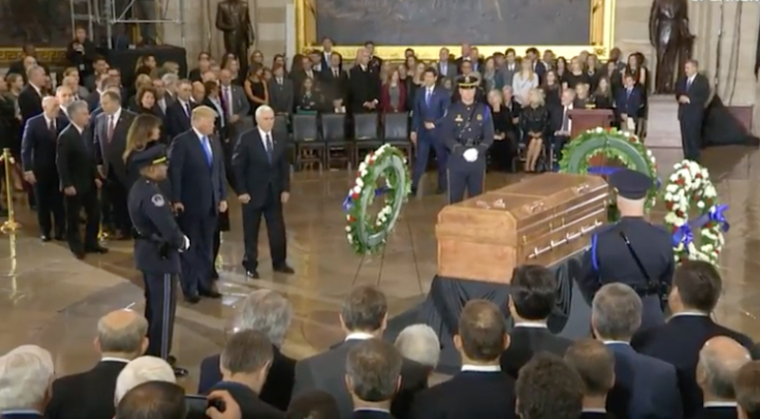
234, 20
670, 36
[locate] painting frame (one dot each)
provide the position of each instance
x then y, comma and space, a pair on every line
602, 37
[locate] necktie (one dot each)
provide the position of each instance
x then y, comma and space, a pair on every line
268, 147
565, 120
111, 128
228, 102
628, 93
688, 83
335, 73
310, 74
428, 96
207, 150
187, 109
51, 127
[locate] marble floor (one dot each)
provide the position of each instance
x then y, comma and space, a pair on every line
49, 298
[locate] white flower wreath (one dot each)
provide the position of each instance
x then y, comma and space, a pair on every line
688, 186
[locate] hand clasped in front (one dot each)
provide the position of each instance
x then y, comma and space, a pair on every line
470, 155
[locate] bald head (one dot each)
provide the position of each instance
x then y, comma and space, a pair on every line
719, 361
122, 333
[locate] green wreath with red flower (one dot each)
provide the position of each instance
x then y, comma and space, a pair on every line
384, 174
614, 145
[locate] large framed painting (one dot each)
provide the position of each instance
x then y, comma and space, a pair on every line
564, 26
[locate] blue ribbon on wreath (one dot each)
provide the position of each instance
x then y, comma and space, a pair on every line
684, 234
348, 203
609, 170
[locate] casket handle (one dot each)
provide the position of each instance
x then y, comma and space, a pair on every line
536, 207
558, 243
585, 230
537, 252
581, 189
573, 236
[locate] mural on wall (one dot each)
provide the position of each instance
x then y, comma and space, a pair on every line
436, 22
45, 23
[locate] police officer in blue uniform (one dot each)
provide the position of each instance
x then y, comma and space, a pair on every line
632, 251
158, 241
468, 132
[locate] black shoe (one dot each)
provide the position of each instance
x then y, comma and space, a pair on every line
45, 238
192, 299
210, 294
79, 254
179, 372
254, 274
284, 269
97, 249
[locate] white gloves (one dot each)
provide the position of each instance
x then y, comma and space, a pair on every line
470, 155
186, 246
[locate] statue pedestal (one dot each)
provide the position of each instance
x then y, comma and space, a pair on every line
663, 129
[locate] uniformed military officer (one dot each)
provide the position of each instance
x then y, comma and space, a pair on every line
468, 132
158, 241
632, 251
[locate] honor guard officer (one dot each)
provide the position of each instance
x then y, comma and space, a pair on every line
632, 251
468, 132
158, 241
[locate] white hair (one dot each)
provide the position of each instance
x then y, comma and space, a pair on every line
141, 370
262, 109
169, 79
25, 376
267, 312
419, 343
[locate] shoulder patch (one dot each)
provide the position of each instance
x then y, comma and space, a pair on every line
158, 200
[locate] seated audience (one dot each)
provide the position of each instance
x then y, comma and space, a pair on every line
364, 315
270, 313
561, 124
548, 389
719, 362
644, 386
480, 390
152, 400
25, 376
419, 343
141, 370
532, 295
373, 376
120, 339
314, 404
595, 364
245, 363
535, 124
747, 389
697, 286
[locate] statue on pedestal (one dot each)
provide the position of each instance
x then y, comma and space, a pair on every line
234, 20
670, 36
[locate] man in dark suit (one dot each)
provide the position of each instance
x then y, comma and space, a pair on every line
110, 139
199, 194
334, 84
480, 390
79, 181
364, 315
719, 363
262, 173
464, 55
692, 92
245, 363
281, 95
548, 388
374, 62
306, 72
532, 298
560, 121
373, 375
327, 52
363, 85
445, 68
38, 147
270, 313
628, 101
180, 112
746, 387
90, 394
595, 365
644, 386
30, 99
538, 66
236, 104
430, 106
697, 286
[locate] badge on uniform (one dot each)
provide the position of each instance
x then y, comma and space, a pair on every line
458, 118
158, 200
479, 117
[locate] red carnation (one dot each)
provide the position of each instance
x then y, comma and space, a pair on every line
680, 181
674, 229
351, 219
698, 176
355, 195
609, 129
669, 206
633, 139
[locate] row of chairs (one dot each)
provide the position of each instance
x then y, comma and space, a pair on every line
317, 139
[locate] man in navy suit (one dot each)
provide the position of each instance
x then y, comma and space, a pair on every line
180, 112
697, 286
373, 375
628, 101
645, 387
692, 93
430, 105
27, 373
38, 147
197, 177
719, 363
595, 365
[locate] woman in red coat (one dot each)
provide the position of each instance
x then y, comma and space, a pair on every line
393, 94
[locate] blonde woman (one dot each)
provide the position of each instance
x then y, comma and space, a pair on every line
524, 81
535, 125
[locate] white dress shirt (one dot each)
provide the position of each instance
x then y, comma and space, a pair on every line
263, 134
481, 368
531, 325
359, 336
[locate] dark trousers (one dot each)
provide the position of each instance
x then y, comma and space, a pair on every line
160, 309
49, 204
197, 261
115, 196
272, 212
426, 141
74, 205
466, 176
691, 136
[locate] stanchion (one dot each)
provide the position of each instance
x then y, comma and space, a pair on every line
10, 226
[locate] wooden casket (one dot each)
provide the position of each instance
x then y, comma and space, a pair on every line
540, 220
